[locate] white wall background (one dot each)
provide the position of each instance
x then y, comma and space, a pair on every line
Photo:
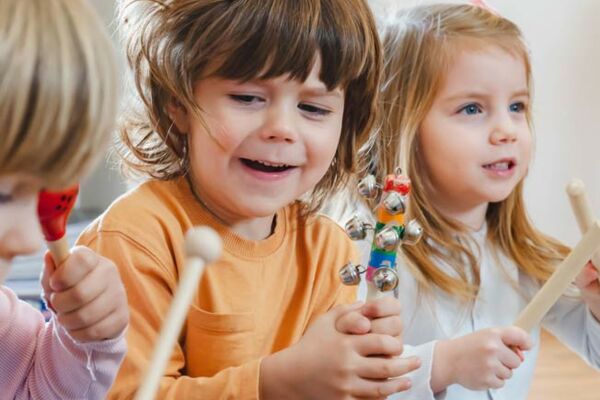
564, 36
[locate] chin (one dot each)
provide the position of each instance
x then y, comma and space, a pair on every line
266, 208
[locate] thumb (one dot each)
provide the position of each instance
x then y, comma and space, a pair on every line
47, 272
343, 309
516, 337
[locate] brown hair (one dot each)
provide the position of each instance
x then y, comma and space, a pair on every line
58, 89
419, 45
173, 44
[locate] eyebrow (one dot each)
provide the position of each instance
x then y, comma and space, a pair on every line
479, 95
322, 92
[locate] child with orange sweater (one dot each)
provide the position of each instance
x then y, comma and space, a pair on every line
247, 107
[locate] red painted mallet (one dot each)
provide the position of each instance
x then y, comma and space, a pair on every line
53, 211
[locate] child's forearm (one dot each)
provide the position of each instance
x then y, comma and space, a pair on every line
80, 370
441, 369
274, 382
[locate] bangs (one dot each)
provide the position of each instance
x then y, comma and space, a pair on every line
57, 92
284, 37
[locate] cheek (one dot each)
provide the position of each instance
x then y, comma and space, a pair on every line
322, 144
215, 135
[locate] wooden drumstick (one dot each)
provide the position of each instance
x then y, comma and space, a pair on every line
560, 279
53, 211
583, 212
202, 245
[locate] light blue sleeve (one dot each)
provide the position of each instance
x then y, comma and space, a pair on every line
571, 321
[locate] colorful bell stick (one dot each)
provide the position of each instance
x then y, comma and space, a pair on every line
389, 233
53, 211
202, 245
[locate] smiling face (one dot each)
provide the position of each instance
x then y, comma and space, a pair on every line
476, 141
263, 143
20, 231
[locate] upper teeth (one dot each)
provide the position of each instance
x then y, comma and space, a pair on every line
268, 164
499, 165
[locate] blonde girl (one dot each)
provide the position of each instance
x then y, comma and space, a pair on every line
456, 104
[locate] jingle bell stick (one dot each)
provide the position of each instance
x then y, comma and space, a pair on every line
389, 232
202, 245
583, 212
560, 279
53, 212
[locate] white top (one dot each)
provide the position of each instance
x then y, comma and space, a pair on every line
430, 318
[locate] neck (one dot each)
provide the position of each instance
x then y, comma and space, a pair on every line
472, 216
257, 228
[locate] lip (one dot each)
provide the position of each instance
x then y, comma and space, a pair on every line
501, 173
267, 176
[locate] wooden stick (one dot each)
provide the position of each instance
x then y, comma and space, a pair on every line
373, 293
59, 250
582, 209
560, 279
202, 245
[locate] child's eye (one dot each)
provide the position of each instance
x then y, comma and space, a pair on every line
314, 109
518, 107
246, 98
5, 198
470, 109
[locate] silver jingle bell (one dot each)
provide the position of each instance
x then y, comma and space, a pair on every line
387, 238
385, 279
350, 274
412, 233
394, 203
367, 187
356, 228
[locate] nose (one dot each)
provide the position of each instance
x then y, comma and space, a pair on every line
279, 124
504, 130
24, 235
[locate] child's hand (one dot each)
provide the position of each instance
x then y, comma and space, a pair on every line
87, 295
587, 282
480, 360
377, 316
327, 364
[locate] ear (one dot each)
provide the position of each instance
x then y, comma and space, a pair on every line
179, 115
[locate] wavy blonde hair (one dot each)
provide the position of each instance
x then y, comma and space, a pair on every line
419, 46
172, 44
58, 89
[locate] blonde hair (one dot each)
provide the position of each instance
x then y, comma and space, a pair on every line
419, 46
171, 45
58, 89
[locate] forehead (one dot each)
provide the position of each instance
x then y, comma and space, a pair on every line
485, 69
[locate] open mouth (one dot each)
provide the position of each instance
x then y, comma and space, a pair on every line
264, 166
502, 165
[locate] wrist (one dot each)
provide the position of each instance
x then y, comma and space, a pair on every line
594, 307
442, 368
276, 378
